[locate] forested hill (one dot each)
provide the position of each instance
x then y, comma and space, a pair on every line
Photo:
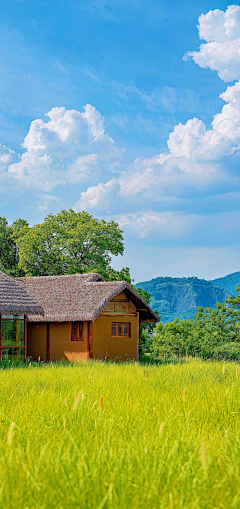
179, 297
229, 282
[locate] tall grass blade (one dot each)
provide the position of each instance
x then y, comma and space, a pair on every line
11, 433
184, 394
161, 428
77, 400
203, 456
100, 405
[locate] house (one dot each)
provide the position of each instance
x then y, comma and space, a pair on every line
15, 304
82, 316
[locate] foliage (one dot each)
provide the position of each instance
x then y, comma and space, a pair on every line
9, 252
145, 329
118, 275
69, 242
142, 447
66, 243
213, 333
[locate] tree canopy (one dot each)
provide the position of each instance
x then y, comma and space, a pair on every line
66, 243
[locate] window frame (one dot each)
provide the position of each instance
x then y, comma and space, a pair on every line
78, 328
14, 318
123, 324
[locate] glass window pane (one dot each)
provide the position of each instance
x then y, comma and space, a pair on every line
120, 329
12, 333
12, 354
126, 327
114, 329
80, 330
75, 330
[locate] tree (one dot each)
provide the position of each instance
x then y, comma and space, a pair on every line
119, 275
145, 329
70, 242
9, 253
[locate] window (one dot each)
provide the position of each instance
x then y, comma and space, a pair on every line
12, 338
77, 331
121, 330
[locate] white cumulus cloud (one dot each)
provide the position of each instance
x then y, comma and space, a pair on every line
70, 147
97, 196
221, 52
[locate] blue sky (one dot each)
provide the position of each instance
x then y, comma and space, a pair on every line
135, 131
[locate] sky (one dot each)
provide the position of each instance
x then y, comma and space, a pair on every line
130, 111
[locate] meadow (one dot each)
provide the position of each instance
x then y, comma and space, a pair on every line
111, 436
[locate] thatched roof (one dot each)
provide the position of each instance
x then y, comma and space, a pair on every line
79, 297
14, 299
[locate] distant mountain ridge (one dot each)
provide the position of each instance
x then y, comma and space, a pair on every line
179, 297
228, 282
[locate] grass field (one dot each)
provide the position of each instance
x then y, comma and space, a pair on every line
159, 437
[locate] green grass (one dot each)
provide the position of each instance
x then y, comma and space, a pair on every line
57, 457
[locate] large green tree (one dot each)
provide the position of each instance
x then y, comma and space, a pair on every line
70, 242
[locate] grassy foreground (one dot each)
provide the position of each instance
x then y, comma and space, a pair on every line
160, 436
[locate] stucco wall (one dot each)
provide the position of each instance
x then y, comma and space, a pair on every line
60, 341
37, 340
114, 348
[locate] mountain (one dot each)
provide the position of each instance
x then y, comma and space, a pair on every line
229, 282
179, 297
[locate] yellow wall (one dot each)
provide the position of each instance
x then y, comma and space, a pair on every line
37, 340
113, 348
120, 309
60, 341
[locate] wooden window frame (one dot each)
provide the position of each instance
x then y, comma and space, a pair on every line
79, 331
123, 324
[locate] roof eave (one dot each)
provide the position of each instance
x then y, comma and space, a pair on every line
123, 286
20, 311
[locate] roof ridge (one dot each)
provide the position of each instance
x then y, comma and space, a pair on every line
84, 274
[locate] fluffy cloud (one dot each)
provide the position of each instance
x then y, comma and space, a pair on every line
184, 140
197, 161
221, 52
97, 196
167, 224
70, 147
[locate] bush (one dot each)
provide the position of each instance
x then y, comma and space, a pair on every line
227, 352
212, 334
